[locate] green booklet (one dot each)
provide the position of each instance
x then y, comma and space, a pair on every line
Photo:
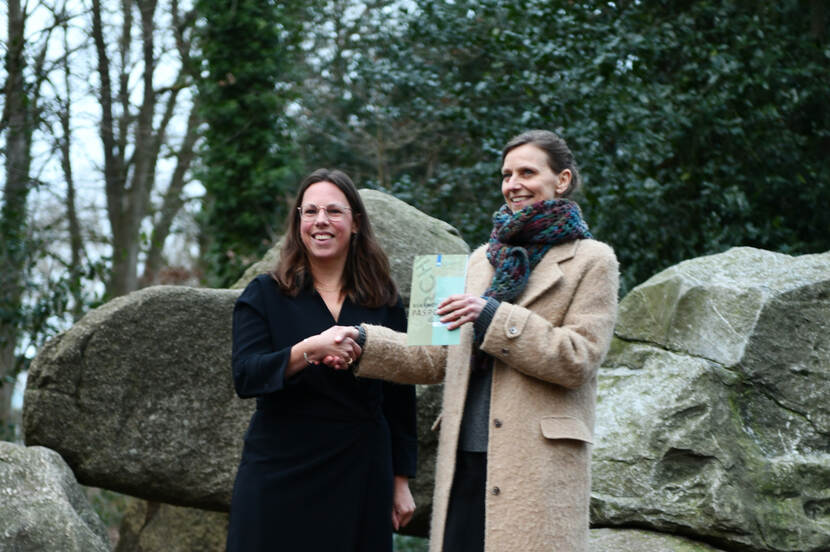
434, 277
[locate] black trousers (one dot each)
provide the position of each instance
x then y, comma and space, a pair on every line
464, 530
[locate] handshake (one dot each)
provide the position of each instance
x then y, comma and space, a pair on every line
336, 347
340, 346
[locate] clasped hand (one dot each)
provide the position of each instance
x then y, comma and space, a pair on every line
335, 347
454, 311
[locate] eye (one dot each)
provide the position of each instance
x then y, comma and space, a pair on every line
334, 210
527, 172
310, 211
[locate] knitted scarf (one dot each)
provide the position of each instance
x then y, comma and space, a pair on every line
520, 240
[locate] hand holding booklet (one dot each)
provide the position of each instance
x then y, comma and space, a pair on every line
434, 278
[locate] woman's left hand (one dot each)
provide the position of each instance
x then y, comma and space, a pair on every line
459, 309
403, 505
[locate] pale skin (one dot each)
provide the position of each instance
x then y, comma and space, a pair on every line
327, 246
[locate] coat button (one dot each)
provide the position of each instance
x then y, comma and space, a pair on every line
497, 422
513, 330
496, 490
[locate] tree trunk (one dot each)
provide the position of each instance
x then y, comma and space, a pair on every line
76, 244
130, 181
173, 201
13, 214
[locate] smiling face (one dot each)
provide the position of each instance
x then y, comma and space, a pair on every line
326, 239
527, 177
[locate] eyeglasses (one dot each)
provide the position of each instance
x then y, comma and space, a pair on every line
333, 211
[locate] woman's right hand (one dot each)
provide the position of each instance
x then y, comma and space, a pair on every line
335, 343
341, 335
330, 347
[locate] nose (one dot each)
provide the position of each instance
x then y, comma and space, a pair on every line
321, 212
512, 182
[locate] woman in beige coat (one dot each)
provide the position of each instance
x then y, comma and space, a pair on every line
513, 467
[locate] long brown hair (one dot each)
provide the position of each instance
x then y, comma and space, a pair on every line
366, 277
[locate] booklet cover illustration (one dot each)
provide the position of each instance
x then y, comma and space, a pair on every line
434, 278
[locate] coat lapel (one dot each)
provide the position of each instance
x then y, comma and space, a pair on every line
547, 272
542, 277
479, 272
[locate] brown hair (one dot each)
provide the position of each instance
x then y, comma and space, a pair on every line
558, 153
366, 277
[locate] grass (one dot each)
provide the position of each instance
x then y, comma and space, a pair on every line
404, 543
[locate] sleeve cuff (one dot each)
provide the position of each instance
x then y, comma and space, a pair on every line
484, 318
361, 335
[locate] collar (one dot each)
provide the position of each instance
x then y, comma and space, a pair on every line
542, 278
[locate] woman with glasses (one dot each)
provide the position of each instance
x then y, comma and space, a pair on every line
327, 456
513, 466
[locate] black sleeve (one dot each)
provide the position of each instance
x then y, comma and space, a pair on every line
400, 410
484, 318
257, 368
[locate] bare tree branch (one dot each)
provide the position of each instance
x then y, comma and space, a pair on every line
173, 199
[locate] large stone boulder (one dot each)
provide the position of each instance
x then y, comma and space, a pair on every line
714, 404
42, 507
138, 398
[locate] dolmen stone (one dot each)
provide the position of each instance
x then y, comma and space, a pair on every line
42, 507
137, 397
713, 418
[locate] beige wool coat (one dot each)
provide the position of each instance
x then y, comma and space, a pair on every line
547, 349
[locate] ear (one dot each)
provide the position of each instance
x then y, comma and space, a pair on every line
563, 182
355, 223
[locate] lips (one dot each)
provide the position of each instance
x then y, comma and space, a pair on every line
322, 237
520, 199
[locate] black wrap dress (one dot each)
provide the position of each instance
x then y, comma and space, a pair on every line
322, 447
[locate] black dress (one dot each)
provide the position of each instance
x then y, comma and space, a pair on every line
322, 447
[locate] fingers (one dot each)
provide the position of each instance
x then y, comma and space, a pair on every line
403, 505
336, 347
335, 362
349, 350
396, 521
460, 309
451, 299
345, 332
356, 351
342, 358
402, 515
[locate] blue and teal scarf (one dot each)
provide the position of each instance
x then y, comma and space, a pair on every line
519, 241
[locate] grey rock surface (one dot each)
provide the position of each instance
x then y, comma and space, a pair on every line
157, 527
138, 398
639, 540
713, 404
42, 507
